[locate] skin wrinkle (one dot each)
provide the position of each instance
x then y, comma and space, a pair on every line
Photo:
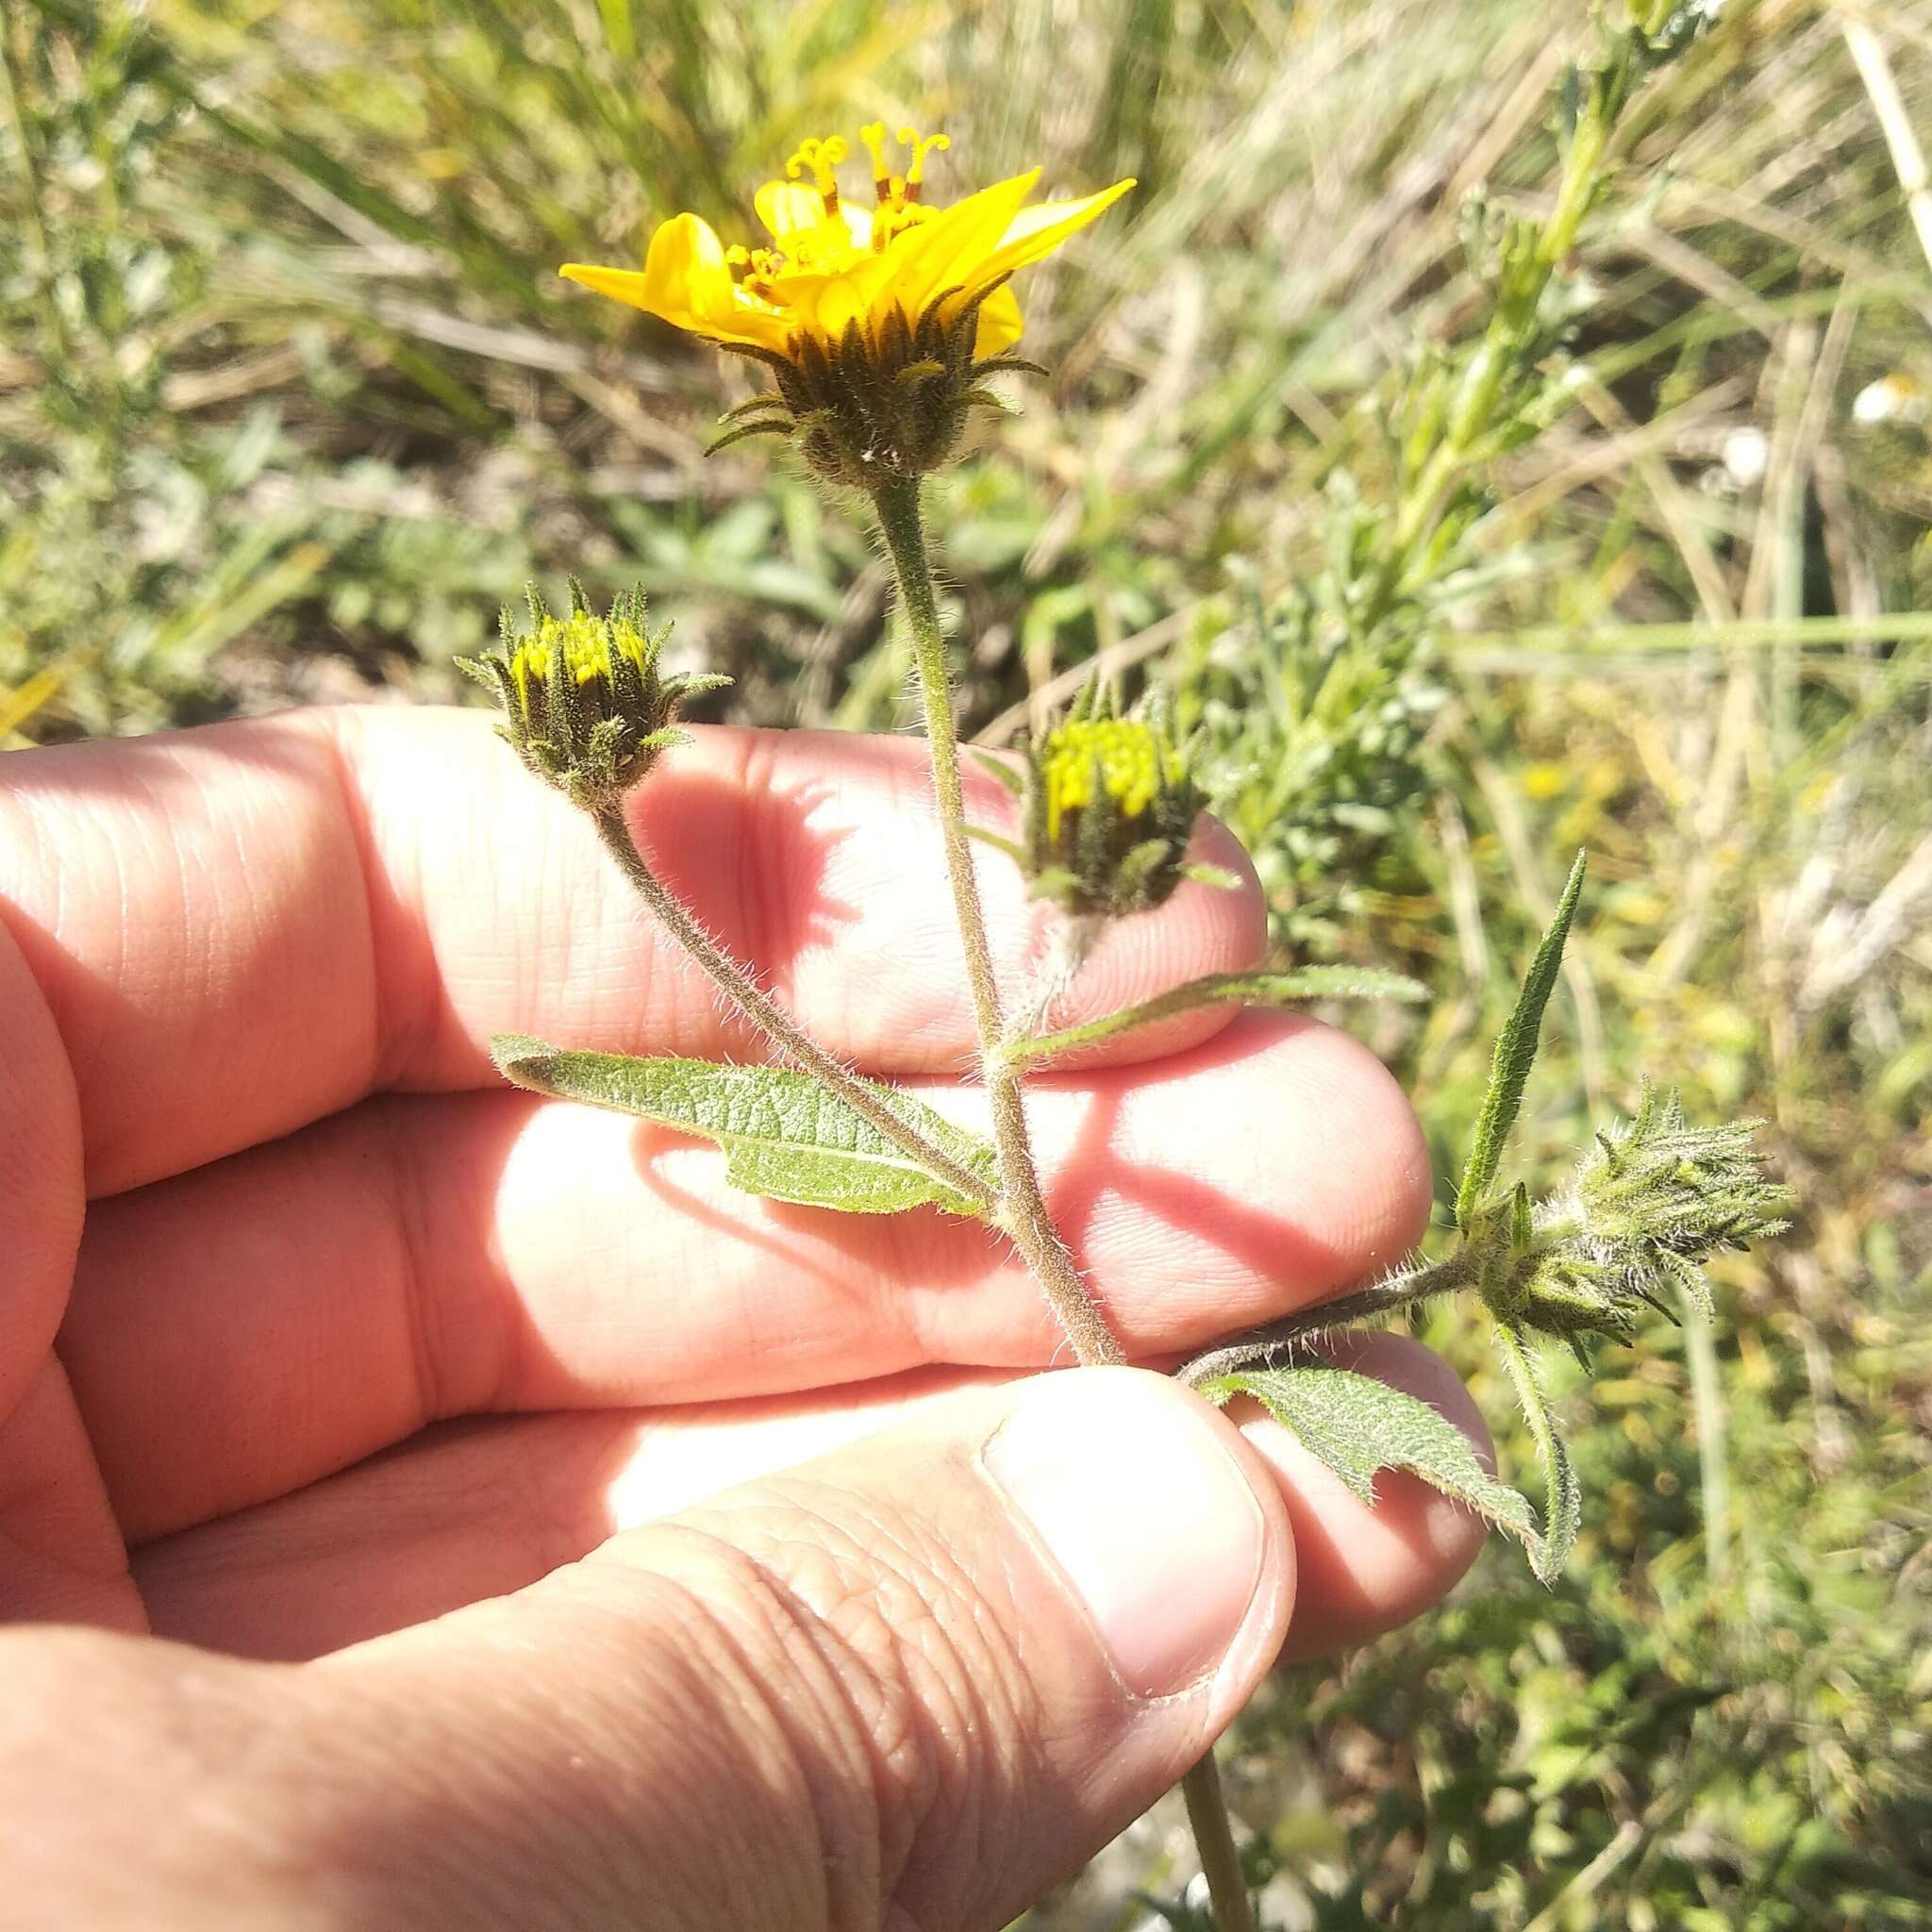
241, 1768
203, 872
41, 1165
335, 730
483, 1825
915, 1624
990, 1695
61, 1554
751, 1603
840, 1581
423, 1316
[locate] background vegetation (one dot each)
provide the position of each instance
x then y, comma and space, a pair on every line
290, 399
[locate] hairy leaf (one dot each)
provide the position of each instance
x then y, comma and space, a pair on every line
785, 1135
1356, 1425
1515, 1054
1326, 983
1563, 1494
1252, 989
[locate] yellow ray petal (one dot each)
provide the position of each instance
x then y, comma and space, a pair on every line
786, 208
999, 324
685, 269
843, 299
685, 281
626, 285
944, 251
684, 275
1037, 231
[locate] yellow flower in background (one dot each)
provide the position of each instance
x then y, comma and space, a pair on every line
832, 265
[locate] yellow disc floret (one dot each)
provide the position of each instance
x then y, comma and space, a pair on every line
1125, 755
585, 704
821, 158
922, 145
589, 645
1108, 809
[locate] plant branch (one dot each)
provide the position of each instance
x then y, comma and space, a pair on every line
1221, 1863
1072, 944
778, 1026
1024, 1214
1415, 1284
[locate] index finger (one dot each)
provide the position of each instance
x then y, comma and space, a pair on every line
241, 928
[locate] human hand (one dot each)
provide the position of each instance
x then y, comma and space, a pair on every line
485, 1516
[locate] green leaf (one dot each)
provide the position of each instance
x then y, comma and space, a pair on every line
1001, 770
1252, 989
1563, 1494
1515, 1054
1356, 1425
1324, 983
784, 1136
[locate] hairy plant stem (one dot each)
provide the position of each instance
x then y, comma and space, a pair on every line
1072, 944
1221, 1862
772, 1019
1260, 1345
1027, 1221
1022, 1210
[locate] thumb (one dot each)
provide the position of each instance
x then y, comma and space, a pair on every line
913, 1683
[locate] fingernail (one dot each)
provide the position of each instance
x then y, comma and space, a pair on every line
1131, 1489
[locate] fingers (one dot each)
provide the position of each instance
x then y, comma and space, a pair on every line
41, 1194
61, 1554
481, 1509
314, 1301
915, 1682
243, 928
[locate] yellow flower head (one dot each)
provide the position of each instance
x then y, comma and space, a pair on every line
878, 323
831, 263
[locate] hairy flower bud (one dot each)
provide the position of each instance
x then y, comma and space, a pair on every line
585, 706
1644, 1209
1109, 806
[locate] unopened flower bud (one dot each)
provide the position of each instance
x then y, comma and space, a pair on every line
1109, 807
585, 706
1644, 1209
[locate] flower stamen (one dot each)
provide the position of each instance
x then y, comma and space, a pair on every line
821, 158
922, 145
883, 186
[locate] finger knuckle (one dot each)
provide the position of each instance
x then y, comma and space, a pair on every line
890, 1672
